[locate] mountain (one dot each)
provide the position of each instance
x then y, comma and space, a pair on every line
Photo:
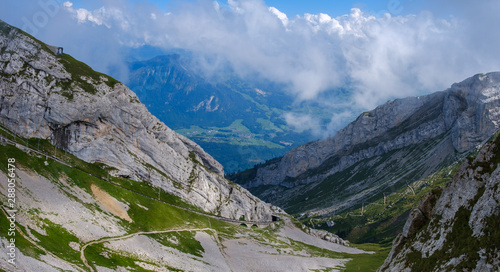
382, 151
91, 181
455, 228
67, 215
98, 119
240, 122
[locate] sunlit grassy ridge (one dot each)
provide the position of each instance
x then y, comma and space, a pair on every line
81, 73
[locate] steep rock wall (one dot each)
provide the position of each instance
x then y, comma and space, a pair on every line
100, 120
469, 110
456, 228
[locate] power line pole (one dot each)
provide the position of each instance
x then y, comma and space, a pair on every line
411, 188
65, 150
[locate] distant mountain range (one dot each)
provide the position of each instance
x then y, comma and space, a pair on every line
382, 151
240, 122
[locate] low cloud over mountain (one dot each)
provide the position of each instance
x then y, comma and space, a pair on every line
377, 57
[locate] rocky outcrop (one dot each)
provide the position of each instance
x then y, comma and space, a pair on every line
449, 123
456, 229
470, 110
100, 120
325, 235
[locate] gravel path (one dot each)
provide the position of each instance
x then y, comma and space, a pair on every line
124, 237
252, 256
296, 234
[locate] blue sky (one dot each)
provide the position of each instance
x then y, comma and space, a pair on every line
300, 7
333, 8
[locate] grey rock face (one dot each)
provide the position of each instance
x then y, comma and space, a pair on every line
470, 110
103, 121
456, 229
423, 132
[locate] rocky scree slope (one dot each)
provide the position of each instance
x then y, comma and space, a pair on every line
455, 228
382, 150
100, 120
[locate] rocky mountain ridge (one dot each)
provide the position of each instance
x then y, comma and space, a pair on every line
48, 96
455, 228
442, 125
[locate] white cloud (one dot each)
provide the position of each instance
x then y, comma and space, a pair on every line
282, 16
107, 16
302, 122
377, 57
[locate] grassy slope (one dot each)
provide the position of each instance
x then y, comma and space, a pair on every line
370, 178
158, 216
380, 223
368, 262
377, 222
377, 218
81, 73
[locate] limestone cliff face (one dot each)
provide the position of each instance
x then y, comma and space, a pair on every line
469, 110
455, 229
382, 150
100, 120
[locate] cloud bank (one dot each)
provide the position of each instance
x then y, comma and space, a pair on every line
377, 57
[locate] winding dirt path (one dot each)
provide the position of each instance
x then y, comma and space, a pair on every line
85, 262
